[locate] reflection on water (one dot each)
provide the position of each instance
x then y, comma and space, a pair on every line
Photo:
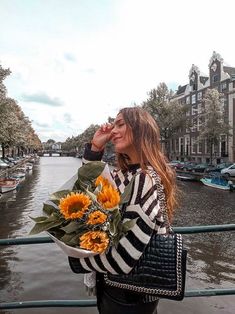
211, 255
36, 272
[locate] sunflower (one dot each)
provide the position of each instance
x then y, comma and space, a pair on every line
101, 180
74, 205
108, 197
96, 241
97, 217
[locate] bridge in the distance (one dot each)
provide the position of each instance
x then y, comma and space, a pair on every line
56, 153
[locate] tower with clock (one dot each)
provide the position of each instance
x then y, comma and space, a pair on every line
215, 68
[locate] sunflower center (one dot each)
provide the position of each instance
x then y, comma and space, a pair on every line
74, 208
97, 240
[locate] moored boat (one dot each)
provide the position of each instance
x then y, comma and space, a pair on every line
18, 176
29, 166
7, 185
185, 177
218, 183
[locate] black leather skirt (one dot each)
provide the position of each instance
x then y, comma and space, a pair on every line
118, 301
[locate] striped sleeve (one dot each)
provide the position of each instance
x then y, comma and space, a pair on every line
144, 206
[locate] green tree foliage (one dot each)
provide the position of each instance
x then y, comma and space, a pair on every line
15, 128
3, 74
213, 120
169, 114
77, 143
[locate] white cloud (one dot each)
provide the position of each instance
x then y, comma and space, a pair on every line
99, 57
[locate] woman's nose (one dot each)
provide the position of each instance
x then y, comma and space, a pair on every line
113, 131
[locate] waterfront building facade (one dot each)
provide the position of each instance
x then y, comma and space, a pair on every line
186, 144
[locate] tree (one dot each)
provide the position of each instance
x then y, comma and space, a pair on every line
213, 118
3, 74
15, 128
169, 114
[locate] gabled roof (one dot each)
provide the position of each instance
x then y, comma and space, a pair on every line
229, 70
203, 79
181, 89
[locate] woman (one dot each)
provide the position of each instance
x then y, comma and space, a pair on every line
135, 136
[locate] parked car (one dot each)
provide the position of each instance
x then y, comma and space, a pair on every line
174, 163
200, 167
230, 171
187, 165
218, 168
3, 165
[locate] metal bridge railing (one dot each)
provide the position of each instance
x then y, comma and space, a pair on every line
92, 303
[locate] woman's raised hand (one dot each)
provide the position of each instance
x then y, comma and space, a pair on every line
101, 137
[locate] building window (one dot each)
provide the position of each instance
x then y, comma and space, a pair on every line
194, 99
194, 125
187, 100
215, 78
200, 121
177, 145
199, 108
199, 147
187, 146
207, 147
199, 96
194, 110
194, 146
223, 87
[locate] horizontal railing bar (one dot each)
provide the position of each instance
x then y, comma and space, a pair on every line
204, 229
209, 292
26, 240
91, 303
47, 303
182, 230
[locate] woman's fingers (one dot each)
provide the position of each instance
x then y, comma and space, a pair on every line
106, 127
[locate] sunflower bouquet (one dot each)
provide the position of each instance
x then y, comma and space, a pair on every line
85, 219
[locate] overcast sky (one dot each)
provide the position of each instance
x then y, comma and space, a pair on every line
77, 62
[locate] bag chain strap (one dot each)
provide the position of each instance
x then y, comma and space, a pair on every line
162, 201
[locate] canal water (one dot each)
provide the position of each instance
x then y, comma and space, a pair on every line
41, 272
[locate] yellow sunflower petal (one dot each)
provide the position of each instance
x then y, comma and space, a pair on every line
74, 205
96, 217
95, 241
101, 180
108, 197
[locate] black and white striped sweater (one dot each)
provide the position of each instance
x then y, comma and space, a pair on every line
145, 205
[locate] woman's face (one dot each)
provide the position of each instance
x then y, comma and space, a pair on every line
121, 137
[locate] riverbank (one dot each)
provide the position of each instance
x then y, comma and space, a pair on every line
40, 272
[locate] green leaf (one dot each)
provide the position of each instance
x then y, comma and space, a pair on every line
53, 217
126, 226
75, 240
126, 195
48, 209
90, 171
113, 224
56, 202
40, 227
39, 219
67, 237
58, 195
98, 189
72, 227
91, 195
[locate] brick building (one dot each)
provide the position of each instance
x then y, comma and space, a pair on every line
186, 146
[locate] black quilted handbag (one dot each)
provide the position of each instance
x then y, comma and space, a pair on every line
160, 271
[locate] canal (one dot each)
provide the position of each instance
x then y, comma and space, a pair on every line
40, 272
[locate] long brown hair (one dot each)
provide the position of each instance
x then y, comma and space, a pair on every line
146, 141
